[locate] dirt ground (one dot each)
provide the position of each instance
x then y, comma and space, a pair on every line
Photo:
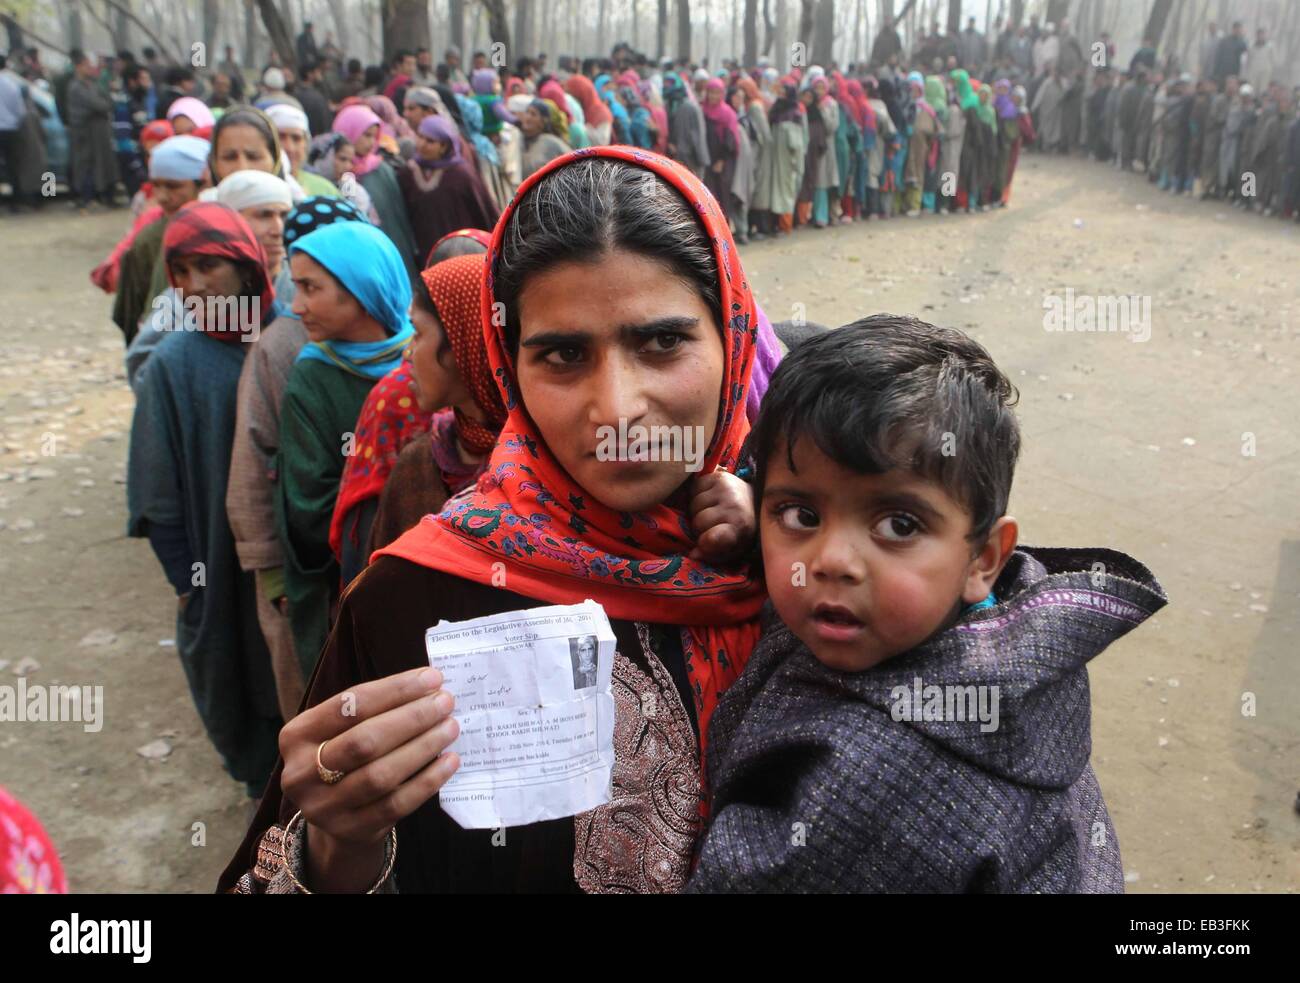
1181, 451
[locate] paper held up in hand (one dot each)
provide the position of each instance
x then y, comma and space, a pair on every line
536, 713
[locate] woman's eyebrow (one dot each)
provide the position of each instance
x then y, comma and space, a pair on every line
556, 339
632, 332
660, 325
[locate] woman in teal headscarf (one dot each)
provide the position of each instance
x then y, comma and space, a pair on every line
352, 297
990, 187
936, 97
975, 144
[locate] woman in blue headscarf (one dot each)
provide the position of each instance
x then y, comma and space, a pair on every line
352, 296
252, 490
622, 130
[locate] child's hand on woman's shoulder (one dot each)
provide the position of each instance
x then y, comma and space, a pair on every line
722, 515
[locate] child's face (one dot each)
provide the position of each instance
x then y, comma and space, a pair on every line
864, 567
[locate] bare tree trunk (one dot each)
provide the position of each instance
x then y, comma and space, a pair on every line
498, 24
456, 23
286, 15
684, 29
250, 35
661, 31
807, 22
602, 24
954, 17
275, 27
523, 29
769, 29
750, 56
1058, 10
121, 29
211, 26
824, 34
1155, 28
405, 26
72, 29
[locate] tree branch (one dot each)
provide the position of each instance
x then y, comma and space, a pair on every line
130, 15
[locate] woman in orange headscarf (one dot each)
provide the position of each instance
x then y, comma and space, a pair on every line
631, 309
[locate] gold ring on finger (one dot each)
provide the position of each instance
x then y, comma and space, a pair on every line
327, 775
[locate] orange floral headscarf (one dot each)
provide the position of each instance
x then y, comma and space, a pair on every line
559, 545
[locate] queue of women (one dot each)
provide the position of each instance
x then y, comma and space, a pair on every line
333, 429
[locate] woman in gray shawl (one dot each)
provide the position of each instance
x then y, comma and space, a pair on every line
90, 130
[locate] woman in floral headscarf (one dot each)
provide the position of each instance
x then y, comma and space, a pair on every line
640, 282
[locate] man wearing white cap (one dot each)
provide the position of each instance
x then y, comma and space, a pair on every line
273, 91
295, 138
264, 199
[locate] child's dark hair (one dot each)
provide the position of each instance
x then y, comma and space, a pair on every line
891, 391
583, 210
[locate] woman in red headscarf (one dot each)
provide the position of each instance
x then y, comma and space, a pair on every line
634, 309
597, 118
449, 365
178, 464
722, 129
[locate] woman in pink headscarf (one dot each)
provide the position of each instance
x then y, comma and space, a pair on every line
722, 129
192, 116
360, 126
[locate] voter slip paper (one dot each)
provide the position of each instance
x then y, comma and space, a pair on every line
536, 713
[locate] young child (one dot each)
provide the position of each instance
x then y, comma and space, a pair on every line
916, 715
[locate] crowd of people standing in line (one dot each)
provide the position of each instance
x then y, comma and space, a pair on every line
335, 384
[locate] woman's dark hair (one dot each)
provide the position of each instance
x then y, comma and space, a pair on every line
891, 391
586, 209
455, 246
247, 116
374, 76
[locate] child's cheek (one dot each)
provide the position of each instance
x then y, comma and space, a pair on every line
906, 606
786, 576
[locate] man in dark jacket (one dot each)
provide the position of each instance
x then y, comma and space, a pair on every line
1227, 57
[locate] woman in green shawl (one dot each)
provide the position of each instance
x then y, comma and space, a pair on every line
975, 146
936, 96
990, 188
352, 296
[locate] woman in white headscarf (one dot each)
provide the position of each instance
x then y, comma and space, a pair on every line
295, 138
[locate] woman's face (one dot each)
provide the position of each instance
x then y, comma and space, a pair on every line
345, 160
431, 149
328, 311
435, 380
531, 122
712, 96
267, 223
241, 147
198, 275
294, 143
182, 125
806, 97
620, 340
738, 101
366, 142
819, 88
